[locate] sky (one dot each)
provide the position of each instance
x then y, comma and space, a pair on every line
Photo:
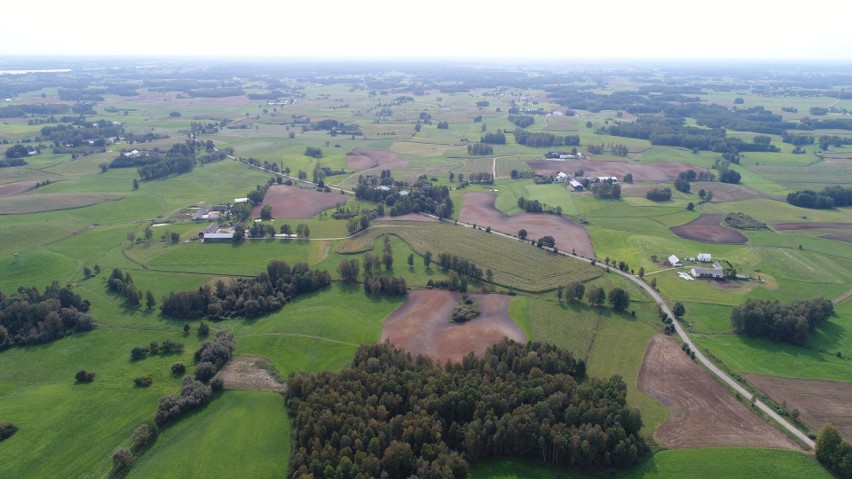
335, 29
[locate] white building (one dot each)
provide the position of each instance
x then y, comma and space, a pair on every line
674, 261
705, 257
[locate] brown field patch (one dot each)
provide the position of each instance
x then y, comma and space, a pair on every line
478, 208
250, 373
729, 192
295, 202
809, 226
416, 217
422, 326
10, 189
844, 238
708, 228
363, 158
702, 413
659, 172
819, 401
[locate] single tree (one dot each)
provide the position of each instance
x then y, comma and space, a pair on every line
427, 259
411, 261
203, 329
522, 234
266, 213
596, 296
149, 300
619, 299
678, 310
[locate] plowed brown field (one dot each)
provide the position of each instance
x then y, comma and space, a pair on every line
478, 208
702, 413
708, 228
422, 326
819, 401
295, 202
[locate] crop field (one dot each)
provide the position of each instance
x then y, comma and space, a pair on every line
514, 265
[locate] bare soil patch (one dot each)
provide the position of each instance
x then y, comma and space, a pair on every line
659, 172
361, 158
708, 228
249, 372
844, 238
729, 192
809, 226
415, 217
10, 189
295, 202
422, 326
819, 401
478, 208
702, 413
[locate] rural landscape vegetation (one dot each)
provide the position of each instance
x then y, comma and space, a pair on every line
410, 269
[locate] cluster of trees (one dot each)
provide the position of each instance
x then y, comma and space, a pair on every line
522, 121
544, 140
29, 316
480, 177
423, 197
606, 190
618, 298
535, 206
660, 193
833, 452
460, 265
826, 141
251, 297
466, 309
79, 133
498, 138
16, 153
479, 149
180, 158
22, 111
615, 149
791, 323
313, 152
365, 421
10, 162
828, 198
121, 283
743, 221
168, 347
726, 173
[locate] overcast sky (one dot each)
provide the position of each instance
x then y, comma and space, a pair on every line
722, 29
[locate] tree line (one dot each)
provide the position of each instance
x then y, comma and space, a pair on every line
826, 199
544, 140
833, 452
251, 297
29, 316
535, 206
791, 323
390, 414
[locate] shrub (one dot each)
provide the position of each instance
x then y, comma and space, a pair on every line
84, 376
178, 369
7, 429
144, 381
144, 436
122, 459
138, 353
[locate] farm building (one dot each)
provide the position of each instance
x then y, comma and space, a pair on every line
240, 200
576, 185
705, 257
716, 272
209, 230
674, 261
219, 237
605, 179
200, 214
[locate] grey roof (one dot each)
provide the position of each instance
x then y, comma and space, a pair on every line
211, 229
219, 236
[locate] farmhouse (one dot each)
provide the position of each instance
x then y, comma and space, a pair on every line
704, 257
716, 272
674, 261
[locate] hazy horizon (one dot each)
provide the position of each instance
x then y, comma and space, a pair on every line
441, 30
